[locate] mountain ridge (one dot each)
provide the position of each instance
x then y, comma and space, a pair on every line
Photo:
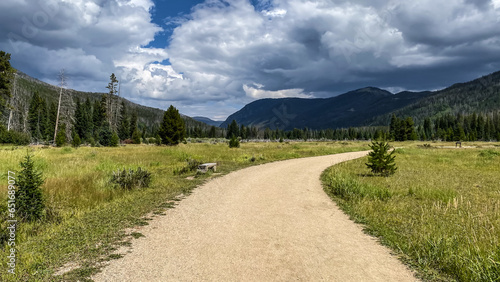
370, 106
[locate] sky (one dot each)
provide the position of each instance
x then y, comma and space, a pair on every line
210, 58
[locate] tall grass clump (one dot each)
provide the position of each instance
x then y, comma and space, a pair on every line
351, 189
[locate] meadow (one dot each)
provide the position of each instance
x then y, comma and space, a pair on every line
440, 212
86, 215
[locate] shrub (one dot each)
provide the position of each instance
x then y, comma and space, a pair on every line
234, 142
61, 137
115, 140
157, 140
76, 141
29, 199
128, 179
13, 137
380, 161
92, 142
136, 137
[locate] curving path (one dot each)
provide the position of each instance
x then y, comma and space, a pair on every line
271, 222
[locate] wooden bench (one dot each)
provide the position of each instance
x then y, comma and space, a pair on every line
205, 167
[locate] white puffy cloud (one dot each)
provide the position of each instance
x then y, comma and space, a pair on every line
227, 53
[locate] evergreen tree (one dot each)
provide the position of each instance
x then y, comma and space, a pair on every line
76, 142
172, 129
233, 129
6, 74
380, 161
234, 142
133, 124
136, 136
124, 128
36, 116
212, 133
88, 122
105, 134
115, 140
51, 121
61, 136
29, 198
80, 119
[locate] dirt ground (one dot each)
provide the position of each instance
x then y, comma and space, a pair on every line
271, 222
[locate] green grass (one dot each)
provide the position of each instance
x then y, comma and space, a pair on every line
440, 211
86, 214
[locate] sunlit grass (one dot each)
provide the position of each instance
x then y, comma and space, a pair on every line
86, 213
443, 212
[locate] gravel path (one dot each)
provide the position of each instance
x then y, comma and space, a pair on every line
271, 222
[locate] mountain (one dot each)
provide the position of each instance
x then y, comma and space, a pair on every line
481, 95
208, 121
350, 109
25, 86
371, 106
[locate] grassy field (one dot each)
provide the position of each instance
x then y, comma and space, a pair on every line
86, 214
440, 211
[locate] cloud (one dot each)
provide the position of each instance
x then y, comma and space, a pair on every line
225, 54
256, 93
84, 37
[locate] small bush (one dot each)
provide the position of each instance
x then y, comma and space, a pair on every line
128, 179
76, 141
136, 137
115, 140
61, 137
92, 142
13, 137
234, 142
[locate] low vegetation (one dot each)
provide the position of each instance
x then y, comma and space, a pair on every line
85, 214
440, 212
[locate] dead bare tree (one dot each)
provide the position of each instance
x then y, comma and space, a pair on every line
13, 97
62, 77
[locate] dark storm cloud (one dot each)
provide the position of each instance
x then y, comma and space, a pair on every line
227, 53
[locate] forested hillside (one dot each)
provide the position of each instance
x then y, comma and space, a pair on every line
33, 110
480, 96
351, 109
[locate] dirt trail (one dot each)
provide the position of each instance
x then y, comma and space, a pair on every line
271, 222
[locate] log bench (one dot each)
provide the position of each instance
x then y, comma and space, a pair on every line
208, 166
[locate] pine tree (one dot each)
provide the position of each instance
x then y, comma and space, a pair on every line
29, 198
233, 129
124, 128
380, 161
136, 136
6, 75
172, 129
234, 142
76, 142
61, 136
88, 122
133, 124
80, 119
105, 134
115, 140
